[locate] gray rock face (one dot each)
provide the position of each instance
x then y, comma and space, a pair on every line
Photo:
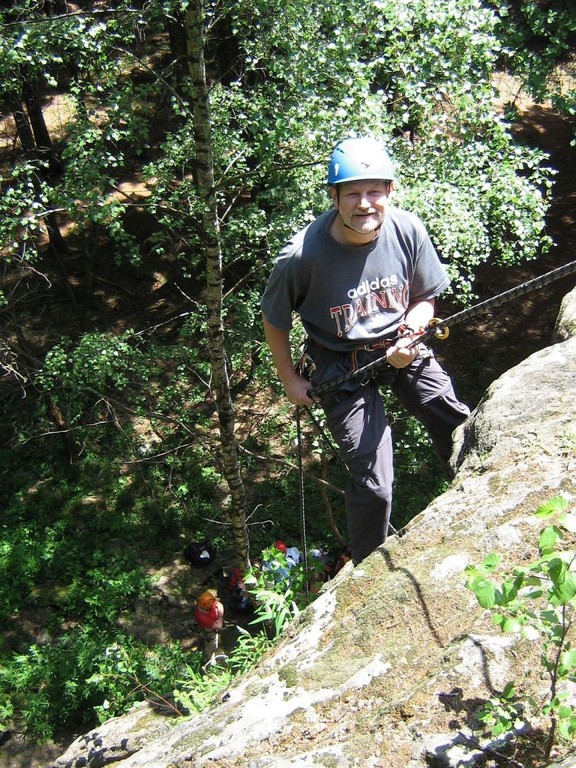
387, 666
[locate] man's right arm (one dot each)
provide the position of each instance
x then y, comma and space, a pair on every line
295, 386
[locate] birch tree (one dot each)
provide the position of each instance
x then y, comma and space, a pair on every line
210, 239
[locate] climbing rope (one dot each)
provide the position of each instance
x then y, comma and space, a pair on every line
301, 492
440, 329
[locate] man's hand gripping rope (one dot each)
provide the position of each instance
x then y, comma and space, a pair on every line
403, 351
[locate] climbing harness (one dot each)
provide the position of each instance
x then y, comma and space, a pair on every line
440, 329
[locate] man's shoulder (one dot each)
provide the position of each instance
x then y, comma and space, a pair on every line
309, 236
404, 219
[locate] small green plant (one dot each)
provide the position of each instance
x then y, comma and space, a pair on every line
248, 649
198, 689
502, 713
279, 589
539, 602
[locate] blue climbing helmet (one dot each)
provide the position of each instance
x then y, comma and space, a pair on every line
362, 158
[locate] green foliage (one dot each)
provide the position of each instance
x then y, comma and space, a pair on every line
304, 77
536, 36
97, 362
38, 52
502, 714
25, 201
94, 670
417, 71
127, 671
537, 39
72, 540
48, 682
538, 601
248, 650
274, 583
55, 686
71, 551
279, 589
60, 550
146, 472
480, 205
309, 75
197, 691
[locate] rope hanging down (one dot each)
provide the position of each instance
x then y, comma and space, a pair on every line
301, 492
439, 329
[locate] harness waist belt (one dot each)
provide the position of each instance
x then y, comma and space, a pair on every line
376, 345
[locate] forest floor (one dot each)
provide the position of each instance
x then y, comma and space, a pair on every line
487, 347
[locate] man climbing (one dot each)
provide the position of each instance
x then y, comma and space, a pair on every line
363, 278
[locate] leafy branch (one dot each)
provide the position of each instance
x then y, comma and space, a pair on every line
537, 601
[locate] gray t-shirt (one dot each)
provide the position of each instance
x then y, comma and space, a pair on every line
348, 296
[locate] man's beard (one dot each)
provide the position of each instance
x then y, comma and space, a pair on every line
368, 225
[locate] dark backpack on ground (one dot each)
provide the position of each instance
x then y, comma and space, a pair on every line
199, 553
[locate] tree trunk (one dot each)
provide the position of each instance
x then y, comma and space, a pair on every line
36, 115
195, 40
29, 131
23, 127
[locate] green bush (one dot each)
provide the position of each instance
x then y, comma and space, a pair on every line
538, 601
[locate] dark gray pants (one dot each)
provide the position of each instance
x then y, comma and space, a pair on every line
355, 417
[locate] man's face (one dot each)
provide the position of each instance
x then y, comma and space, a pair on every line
362, 205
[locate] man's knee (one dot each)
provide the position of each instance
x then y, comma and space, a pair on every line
441, 416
